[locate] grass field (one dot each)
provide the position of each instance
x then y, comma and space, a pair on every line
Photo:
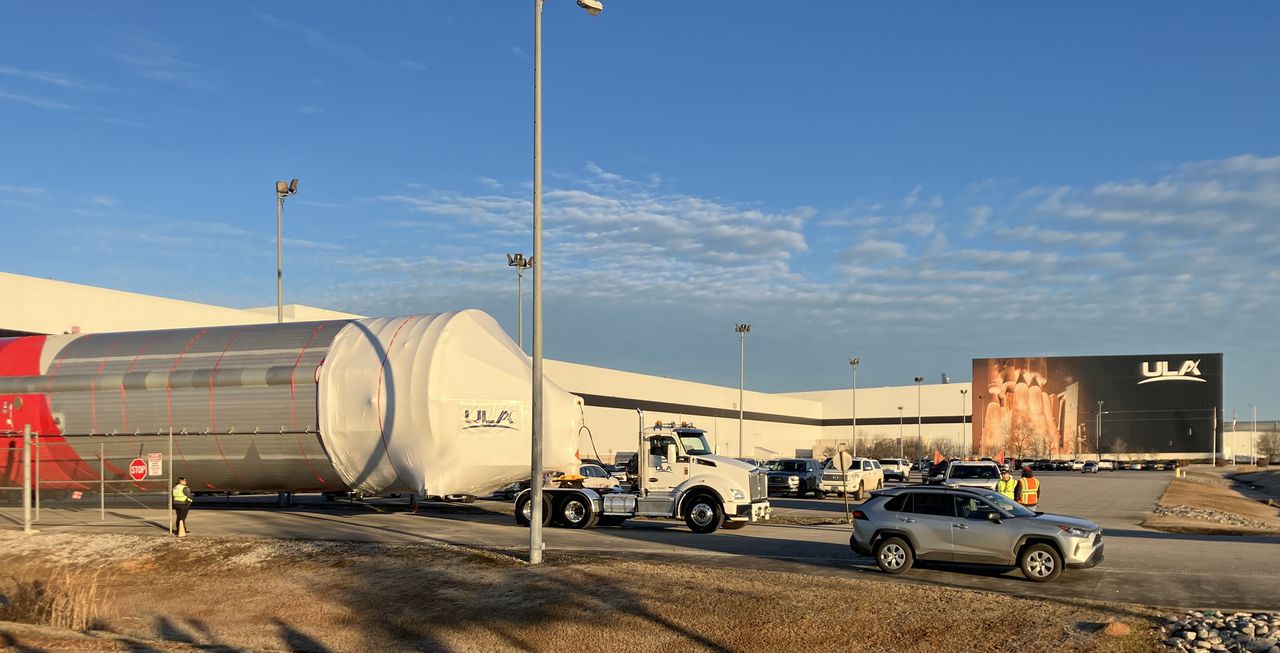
233, 594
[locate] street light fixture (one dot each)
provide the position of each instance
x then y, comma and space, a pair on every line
742, 330
853, 363
520, 263
283, 190
919, 413
901, 448
593, 7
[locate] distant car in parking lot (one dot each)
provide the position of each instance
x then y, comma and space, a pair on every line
1151, 465
1042, 465
1076, 465
799, 476
973, 474
1062, 465
1107, 465
901, 525
1090, 467
897, 469
1169, 465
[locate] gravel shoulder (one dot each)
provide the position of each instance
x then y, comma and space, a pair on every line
229, 593
1205, 503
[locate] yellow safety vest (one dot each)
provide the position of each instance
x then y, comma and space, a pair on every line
1006, 487
180, 494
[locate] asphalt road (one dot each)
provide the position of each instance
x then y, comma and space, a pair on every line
1141, 566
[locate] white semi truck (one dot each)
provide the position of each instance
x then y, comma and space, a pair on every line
676, 476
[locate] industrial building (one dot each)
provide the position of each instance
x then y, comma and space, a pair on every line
918, 417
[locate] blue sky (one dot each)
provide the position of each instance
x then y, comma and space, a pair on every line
916, 184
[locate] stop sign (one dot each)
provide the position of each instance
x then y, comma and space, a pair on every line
138, 469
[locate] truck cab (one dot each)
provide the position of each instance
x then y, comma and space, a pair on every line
676, 476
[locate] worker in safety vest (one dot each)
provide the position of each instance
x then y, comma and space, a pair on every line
182, 499
1028, 491
1006, 485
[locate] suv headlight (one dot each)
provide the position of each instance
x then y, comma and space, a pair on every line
738, 495
1074, 531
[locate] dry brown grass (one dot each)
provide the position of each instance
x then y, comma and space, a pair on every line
1221, 498
64, 597
331, 596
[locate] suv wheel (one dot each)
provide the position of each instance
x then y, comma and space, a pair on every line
893, 556
1040, 563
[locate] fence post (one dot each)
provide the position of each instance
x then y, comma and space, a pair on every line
26, 478
35, 443
102, 481
169, 489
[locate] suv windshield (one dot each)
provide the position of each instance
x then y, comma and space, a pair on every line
787, 466
974, 471
1004, 503
695, 444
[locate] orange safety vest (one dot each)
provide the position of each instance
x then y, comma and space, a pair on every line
1029, 491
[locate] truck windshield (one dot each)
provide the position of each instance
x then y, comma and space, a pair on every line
695, 444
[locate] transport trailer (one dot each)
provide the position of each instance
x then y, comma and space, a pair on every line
426, 404
679, 478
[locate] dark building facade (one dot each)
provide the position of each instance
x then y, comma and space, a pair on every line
1045, 406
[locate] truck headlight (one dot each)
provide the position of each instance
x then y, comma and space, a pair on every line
738, 495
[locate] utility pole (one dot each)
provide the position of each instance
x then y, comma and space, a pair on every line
742, 330
853, 363
919, 412
1098, 435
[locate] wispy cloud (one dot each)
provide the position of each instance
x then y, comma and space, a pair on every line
413, 65
57, 79
519, 52
111, 120
152, 59
103, 200
22, 190
310, 110
36, 101
489, 182
317, 39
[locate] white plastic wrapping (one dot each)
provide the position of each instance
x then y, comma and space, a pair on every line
437, 404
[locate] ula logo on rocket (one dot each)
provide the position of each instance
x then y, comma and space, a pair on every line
1190, 371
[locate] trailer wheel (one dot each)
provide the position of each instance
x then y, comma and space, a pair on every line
702, 514
575, 512
524, 511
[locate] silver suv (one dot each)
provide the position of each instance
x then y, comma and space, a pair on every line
970, 525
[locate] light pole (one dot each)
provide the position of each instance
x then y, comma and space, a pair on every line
919, 414
853, 363
901, 448
742, 330
283, 190
520, 263
593, 7
1253, 436
1098, 436
964, 412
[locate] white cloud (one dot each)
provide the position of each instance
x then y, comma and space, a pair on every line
519, 52
310, 110
57, 79
489, 182
1056, 237
36, 101
22, 190
317, 39
102, 200
871, 251
413, 65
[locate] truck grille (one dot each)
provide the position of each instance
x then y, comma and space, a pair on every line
759, 486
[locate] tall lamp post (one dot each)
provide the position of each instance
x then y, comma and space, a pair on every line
742, 330
853, 363
593, 7
1253, 437
520, 263
919, 414
901, 449
1098, 435
283, 190
964, 413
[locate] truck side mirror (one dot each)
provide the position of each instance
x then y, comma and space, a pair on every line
671, 454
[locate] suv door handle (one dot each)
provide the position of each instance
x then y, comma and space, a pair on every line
907, 520
959, 526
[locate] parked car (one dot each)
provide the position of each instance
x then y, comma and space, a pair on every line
1062, 465
798, 476
901, 525
597, 477
1151, 465
862, 476
897, 469
1169, 465
759, 464
1090, 467
972, 474
1108, 465
616, 471
1042, 465
1076, 465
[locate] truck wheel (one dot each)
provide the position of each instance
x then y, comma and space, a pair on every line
1040, 563
575, 512
893, 556
703, 514
524, 512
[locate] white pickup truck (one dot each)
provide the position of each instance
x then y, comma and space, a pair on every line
861, 477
